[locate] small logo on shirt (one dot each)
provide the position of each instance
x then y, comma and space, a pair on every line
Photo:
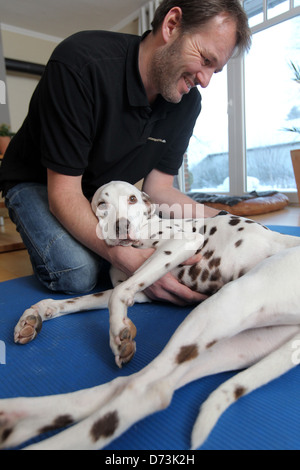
160, 141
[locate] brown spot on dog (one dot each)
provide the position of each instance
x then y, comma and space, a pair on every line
234, 221
205, 275
59, 422
239, 392
208, 254
155, 243
194, 272
211, 344
167, 265
168, 252
105, 426
100, 294
214, 263
213, 230
215, 276
212, 289
238, 243
180, 275
5, 435
142, 284
241, 229
187, 353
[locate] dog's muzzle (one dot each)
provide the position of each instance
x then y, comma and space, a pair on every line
123, 231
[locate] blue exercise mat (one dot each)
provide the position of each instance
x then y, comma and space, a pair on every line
73, 353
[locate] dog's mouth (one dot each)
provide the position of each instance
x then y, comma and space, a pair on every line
129, 242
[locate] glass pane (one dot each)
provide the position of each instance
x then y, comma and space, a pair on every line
254, 10
207, 166
272, 106
276, 7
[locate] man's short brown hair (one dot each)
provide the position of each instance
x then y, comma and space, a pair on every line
196, 13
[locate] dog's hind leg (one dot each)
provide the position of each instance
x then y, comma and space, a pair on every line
266, 370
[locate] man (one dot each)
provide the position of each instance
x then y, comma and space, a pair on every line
113, 107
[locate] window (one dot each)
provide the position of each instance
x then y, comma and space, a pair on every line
243, 145
208, 150
272, 105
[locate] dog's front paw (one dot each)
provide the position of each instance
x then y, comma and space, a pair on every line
123, 344
28, 327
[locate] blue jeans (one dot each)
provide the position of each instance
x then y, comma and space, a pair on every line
60, 262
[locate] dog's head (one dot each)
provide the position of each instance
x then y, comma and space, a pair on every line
122, 211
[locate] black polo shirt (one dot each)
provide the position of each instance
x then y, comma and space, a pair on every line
90, 116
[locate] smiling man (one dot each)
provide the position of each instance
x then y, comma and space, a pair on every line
113, 107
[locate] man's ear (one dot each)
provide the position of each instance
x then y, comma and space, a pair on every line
171, 24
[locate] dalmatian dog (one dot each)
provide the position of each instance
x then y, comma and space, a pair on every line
250, 321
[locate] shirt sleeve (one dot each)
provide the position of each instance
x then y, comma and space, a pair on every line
66, 111
182, 131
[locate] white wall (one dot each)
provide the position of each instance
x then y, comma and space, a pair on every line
4, 114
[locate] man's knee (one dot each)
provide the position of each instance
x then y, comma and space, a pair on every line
60, 262
75, 279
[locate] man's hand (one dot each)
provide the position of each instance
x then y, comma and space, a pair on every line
166, 289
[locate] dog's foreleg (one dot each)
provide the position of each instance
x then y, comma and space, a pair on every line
30, 323
166, 257
268, 369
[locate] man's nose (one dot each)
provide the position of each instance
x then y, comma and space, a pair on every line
204, 78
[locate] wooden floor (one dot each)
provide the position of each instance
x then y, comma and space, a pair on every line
15, 262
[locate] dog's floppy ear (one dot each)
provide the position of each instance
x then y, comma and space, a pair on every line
151, 208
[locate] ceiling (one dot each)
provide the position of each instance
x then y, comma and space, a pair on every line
60, 18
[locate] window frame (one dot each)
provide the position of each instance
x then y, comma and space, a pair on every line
236, 110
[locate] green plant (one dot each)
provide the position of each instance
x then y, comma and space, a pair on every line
296, 70
5, 131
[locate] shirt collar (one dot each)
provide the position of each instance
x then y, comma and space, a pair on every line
135, 88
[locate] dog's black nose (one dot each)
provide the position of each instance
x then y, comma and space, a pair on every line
122, 228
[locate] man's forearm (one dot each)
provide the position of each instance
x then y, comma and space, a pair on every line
76, 216
174, 204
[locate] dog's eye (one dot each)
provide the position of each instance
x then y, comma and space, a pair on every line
102, 205
133, 199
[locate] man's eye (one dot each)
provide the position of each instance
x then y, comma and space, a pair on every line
205, 61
